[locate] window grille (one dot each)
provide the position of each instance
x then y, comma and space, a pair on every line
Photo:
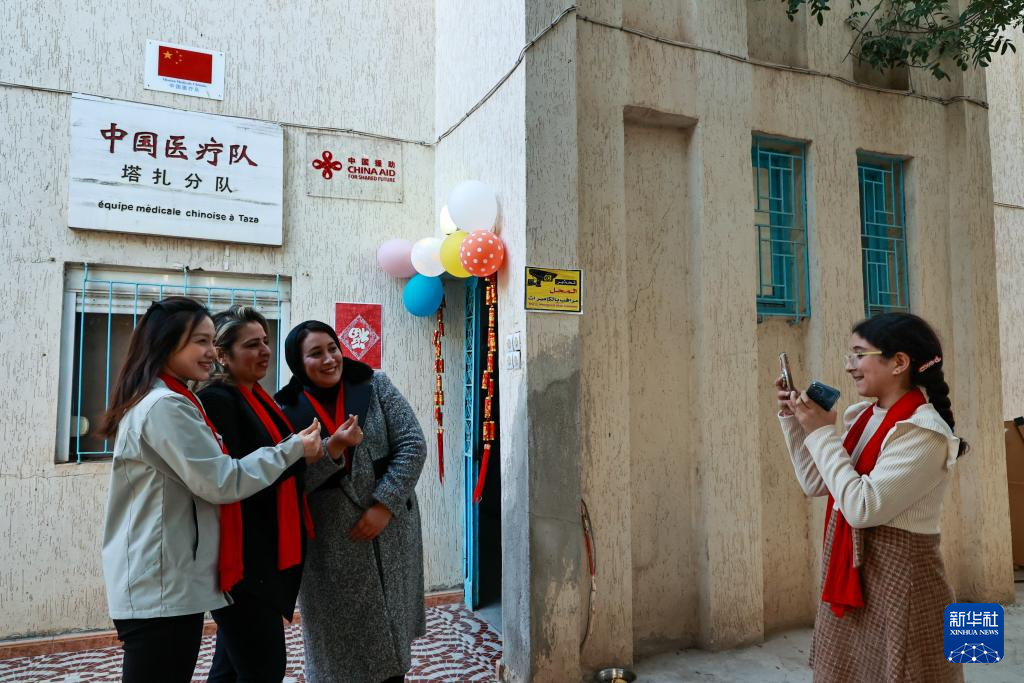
883, 234
102, 307
780, 215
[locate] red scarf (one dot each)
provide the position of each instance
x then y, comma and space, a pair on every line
229, 563
329, 422
289, 538
842, 589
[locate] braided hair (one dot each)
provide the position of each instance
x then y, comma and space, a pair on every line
891, 333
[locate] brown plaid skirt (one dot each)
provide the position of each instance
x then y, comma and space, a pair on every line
897, 635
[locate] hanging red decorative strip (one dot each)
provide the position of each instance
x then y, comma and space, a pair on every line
439, 391
489, 429
440, 450
478, 492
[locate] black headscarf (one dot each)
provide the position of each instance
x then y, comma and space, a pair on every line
352, 370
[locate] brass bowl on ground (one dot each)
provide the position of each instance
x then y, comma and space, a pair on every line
615, 675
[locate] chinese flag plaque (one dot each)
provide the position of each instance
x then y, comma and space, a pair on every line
184, 70
360, 331
188, 65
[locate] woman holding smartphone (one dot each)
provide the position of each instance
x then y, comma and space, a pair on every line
275, 522
884, 584
172, 531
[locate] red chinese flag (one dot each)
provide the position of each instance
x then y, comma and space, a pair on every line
185, 64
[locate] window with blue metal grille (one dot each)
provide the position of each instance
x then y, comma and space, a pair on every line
883, 234
102, 307
780, 219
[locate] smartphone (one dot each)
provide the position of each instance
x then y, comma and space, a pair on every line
822, 394
787, 376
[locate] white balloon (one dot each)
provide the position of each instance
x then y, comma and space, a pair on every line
426, 256
473, 206
447, 224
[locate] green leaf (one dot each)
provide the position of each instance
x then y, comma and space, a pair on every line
922, 33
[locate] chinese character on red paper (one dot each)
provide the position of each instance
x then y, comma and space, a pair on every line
213, 148
238, 153
360, 331
145, 141
113, 134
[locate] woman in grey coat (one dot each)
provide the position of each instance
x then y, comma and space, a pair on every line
361, 595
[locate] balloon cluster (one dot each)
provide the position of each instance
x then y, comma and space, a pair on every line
469, 247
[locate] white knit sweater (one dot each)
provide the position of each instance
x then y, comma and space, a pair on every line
906, 487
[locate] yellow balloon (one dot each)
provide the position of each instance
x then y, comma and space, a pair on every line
450, 253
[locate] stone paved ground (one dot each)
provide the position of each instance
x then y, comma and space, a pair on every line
458, 647
783, 659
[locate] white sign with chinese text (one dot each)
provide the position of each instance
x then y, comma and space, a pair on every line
184, 70
151, 170
350, 167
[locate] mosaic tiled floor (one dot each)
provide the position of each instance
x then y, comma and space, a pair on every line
458, 648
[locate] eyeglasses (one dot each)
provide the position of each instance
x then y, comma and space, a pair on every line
853, 358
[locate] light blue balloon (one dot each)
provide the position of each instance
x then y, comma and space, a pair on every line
422, 295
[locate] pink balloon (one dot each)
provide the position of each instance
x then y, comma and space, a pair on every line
395, 258
482, 253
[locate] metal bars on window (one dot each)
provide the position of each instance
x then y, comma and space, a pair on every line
883, 234
780, 220
107, 307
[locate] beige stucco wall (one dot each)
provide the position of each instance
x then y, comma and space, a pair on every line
1005, 82
490, 147
721, 546
614, 153
329, 63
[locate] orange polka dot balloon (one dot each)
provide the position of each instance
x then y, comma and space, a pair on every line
482, 253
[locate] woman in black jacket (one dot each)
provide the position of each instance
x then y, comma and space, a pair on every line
275, 522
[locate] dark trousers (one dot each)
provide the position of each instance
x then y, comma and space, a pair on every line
161, 650
250, 643
396, 679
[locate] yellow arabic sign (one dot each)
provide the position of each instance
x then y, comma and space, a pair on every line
554, 290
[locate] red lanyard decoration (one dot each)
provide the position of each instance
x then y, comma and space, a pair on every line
439, 391
487, 385
331, 424
289, 526
229, 560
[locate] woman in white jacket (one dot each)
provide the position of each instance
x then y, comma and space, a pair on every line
884, 584
172, 534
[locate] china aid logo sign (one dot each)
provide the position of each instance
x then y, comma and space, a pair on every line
974, 633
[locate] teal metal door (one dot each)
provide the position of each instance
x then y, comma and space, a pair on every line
474, 354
